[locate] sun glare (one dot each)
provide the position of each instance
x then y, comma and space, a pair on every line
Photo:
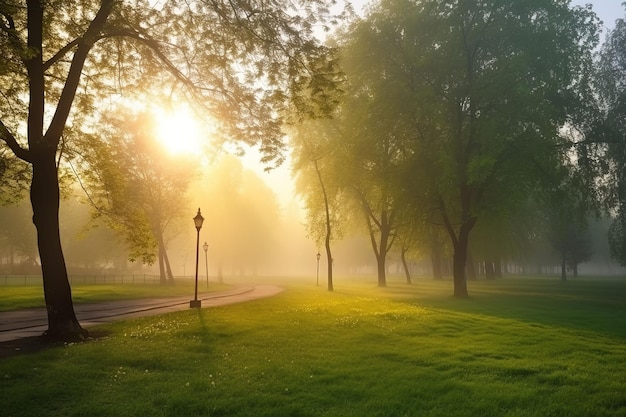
179, 131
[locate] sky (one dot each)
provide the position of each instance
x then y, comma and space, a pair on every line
607, 10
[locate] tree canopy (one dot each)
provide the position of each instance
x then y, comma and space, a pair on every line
467, 99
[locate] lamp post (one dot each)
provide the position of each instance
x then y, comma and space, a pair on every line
195, 303
206, 262
318, 256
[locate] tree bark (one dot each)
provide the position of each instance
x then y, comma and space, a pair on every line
460, 260
490, 272
329, 255
165, 270
460, 243
168, 268
162, 278
44, 195
407, 273
498, 268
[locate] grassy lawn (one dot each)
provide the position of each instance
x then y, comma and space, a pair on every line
31, 296
516, 348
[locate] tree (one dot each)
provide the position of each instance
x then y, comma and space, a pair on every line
255, 57
17, 247
372, 138
487, 86
604, 147
136, 186
14, 175
90, 247
313, 158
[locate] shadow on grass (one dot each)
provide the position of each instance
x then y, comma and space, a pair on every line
35, 344
597, 306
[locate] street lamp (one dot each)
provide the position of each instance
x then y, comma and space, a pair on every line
195, 303
318, 256
206, 262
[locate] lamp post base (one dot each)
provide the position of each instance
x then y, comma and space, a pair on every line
195, 304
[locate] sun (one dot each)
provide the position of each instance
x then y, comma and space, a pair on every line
179, 131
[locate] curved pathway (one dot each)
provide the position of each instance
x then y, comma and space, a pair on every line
19, 324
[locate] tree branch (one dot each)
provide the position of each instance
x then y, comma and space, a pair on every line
60, 54
9, 139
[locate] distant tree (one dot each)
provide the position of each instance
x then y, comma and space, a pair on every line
14, 176
574, 247
617, 238
136, 186
89, 246
565, 213
245, 61
313, 154
374, 139
17, 242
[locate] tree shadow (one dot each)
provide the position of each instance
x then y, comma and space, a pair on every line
35, 344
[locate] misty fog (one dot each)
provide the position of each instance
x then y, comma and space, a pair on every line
251, 229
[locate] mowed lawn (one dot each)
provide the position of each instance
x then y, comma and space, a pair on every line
517, 347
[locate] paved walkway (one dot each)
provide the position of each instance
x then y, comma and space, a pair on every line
19, 324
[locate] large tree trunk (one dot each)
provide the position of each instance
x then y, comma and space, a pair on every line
460, 244
460, 260
44, 196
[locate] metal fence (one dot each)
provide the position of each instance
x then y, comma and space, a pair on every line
100, 279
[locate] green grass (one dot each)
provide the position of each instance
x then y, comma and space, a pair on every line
516, 348
31, 296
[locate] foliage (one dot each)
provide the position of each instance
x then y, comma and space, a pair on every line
255, 58
313, 147
474, 94
17, 240
14, 175
135, 185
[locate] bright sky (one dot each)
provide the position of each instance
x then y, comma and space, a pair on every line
608, 10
